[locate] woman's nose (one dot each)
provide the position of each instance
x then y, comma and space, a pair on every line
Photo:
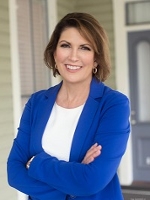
73, 55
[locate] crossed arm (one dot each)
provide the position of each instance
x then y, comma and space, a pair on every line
18, 174
91, 154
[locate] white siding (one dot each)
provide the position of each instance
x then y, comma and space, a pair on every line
6, 108
64, 7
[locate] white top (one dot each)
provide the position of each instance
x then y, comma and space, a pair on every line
59, 131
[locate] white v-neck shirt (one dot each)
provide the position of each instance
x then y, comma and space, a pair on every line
59, 131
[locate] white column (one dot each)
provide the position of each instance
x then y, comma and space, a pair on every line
52, 20
16, 90
122, 80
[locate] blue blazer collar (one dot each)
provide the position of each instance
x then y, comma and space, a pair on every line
96, 90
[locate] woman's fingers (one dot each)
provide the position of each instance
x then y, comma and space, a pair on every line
92, 153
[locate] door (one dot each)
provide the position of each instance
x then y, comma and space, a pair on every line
139, 74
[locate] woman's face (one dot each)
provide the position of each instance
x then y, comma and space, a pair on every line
74, 57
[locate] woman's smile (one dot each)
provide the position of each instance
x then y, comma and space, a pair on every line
73, 67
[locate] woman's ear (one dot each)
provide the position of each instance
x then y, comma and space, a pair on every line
95, 63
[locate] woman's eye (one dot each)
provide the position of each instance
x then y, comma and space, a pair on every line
65, 45
86, 48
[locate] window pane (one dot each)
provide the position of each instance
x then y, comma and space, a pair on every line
143, 60
138, 12
25, 50
33, 38
40, 40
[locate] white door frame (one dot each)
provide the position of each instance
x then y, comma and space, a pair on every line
122, 74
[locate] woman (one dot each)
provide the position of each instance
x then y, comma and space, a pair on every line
57, 153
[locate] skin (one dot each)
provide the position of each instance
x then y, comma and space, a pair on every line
74, 57
92, 153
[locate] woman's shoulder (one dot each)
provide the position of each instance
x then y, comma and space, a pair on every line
114, 98
113, 93
41, 95
99, 90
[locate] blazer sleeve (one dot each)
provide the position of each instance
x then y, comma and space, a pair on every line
87, 179
16, 165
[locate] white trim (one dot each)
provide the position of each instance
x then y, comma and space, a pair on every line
122, 81
16, 89
52, 15
14, 62
52, 21
121, 64
138, 28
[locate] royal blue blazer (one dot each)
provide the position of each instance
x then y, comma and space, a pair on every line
104, 119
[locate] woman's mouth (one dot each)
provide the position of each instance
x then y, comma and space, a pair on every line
73, 67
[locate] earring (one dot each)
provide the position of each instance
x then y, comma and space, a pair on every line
95, 70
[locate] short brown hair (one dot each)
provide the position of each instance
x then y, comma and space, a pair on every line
91, 30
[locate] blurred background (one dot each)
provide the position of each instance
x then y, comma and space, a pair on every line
25, 29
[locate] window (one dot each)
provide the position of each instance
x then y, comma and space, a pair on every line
33, 38
143, 68
138, 12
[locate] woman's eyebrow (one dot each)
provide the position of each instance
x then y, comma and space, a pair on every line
64, 41
86, 44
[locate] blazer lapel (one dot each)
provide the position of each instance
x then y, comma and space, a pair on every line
42, 116
83, 127
86, 119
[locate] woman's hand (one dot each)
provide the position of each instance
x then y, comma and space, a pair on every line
92, 153
29, 162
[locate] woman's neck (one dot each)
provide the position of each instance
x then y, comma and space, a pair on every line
73, 95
